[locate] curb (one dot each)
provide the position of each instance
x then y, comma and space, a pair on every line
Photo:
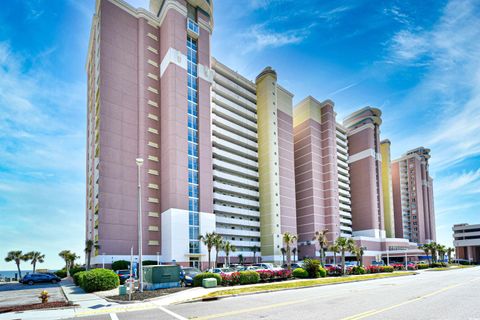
206, 299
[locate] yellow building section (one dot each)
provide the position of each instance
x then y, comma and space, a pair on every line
309, 108
387, 189
268, 166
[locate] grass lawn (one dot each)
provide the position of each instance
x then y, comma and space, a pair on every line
301, 284
452, 267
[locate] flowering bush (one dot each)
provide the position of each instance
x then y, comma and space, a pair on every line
398, 266
283, 274
265, 275
373, 269
412, 267
334, 270
230, 279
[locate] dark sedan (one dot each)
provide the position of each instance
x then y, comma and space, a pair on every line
40, 278
123, 275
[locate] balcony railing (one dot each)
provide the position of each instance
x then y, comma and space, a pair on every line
192, 28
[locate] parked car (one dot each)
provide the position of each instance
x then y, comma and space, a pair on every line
187, 275
267, 266
123, 275
378, 263
294, 265
40, 278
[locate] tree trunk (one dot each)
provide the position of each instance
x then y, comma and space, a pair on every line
67, 267
88, 259
343, 262
335, 258
209, 259
34, 266
289, 258
321, 257
19, 271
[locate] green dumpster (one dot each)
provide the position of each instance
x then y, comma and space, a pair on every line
122, 290
209, 283
158, 277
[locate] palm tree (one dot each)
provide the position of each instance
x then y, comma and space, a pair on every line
255, 249
426, 249
17, 256
90, 245
36, 256
289, 239
335, 250
359, 251
441, 251
228, 247
218, 244
209, 239
433, 250
449, 254
294, 251
321, 237
344, 245
69, 258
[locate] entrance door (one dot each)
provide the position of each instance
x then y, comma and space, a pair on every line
194, 262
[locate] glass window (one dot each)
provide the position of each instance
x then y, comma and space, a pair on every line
192, 149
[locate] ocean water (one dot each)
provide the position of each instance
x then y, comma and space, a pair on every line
11, 274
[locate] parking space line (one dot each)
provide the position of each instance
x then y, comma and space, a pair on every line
113, 316
173, 314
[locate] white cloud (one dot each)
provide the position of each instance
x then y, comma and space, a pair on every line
262, 38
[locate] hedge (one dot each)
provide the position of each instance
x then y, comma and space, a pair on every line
249, 277
357, 270
313, 268
78, 278
300, 273
438, 265
198, 279
98, 280
387, 269
230, 279
422, 266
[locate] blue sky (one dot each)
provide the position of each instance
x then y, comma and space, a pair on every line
416, 60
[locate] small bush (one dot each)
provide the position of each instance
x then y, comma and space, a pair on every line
398, 266
249, 277
76, 269
300, 273
357, 270
412, 267
265, 275
422, 266
334, 271
464, 263
323, 272
283, 274
121, 265
99, 280
197, 280
78, 278
313, 267
386, 269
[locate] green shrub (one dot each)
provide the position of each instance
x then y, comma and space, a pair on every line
61, 273
99, 280
387, 269
121, 265
300, 273
149, 263
249, 277
76, 269
464, 263
438, 265
313, 267
422, 266
323, 272
197, 280
78, 278
357, 270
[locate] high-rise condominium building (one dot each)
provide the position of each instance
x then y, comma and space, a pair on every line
413, 197
217, 148
322, 174
363, 130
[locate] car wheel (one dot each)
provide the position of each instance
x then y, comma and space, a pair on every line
54, 281
182, 284
30, 282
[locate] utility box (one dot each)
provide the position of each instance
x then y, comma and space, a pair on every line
160, 277
122, 290
209, 283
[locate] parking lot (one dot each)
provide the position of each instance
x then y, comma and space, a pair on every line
19, 294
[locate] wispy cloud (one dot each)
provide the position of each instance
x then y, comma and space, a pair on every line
331, 94
262, 38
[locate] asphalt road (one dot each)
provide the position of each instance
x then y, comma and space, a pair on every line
453, 294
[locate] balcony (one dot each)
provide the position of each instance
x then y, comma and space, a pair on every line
238, 170
235, 159
238, 232
192, 29
234, 179
237, 221
234, 210
235, 200
235, 190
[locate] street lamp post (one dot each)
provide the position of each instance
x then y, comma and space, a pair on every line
139, 162
158, 258
103, 260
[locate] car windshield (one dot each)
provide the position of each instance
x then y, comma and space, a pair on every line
191, 271
123, 272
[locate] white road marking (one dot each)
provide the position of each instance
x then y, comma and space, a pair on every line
113, 316
173, 314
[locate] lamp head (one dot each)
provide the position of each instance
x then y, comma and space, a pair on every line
139, 161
